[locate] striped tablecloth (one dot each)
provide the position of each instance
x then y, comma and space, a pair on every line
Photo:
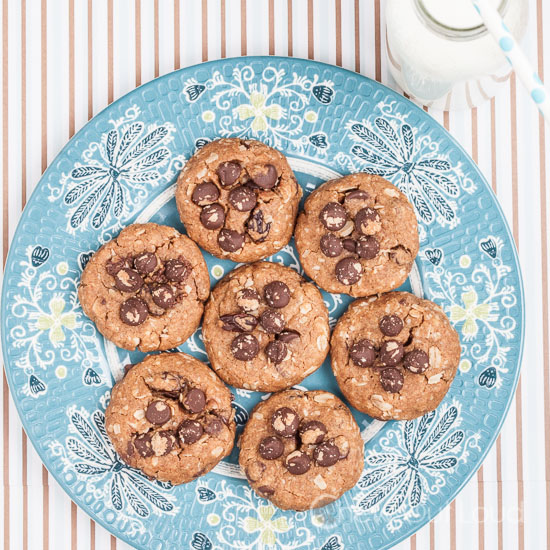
65, 60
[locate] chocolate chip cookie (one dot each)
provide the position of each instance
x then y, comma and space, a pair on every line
394, 356
265, 328
301, 450
146, 288
357, 235
171, 417
238, 199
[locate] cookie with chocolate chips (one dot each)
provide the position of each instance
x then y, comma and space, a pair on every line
301, 449
394, 356
171, 417
357, 235
238, 199
146, 288
265, 328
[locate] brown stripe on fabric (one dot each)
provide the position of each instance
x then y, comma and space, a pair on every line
90, 62
204, 18
413, 542
243, 27
222, 29
290, 41
177, 57
432, 535
377, 50
113, 543
310, 30
74, 527
71, 69
137, 24
481, 90
156, 36
110, 69
271, 24
338, 14
357, 38
92, 534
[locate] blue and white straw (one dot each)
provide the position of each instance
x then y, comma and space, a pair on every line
515, 56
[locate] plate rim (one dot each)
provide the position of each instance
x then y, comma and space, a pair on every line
436, 508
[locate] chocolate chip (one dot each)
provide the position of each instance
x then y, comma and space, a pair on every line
266, 490
416, 361
129, 448
146, 262
272, 321
212, 216
362, 353
163, 442
367, 221
349, 244
239, 322
245, 347
276, 351
242, 198
297, 463
230, 240
195, 400
177, 270
288, 336
133, 311
348, 271
190, 431
356, 195
158, 412
277, 294
285, 422
391, 380
214, 426
333, 216
271, 447
266, 179
331, 245
248, 299
229, 173
257, 227
205, 193
326, 454
113, 266
163, 296
142, 444
128, 280
312, 432
128, 367
390, 325
367, 247
391, 353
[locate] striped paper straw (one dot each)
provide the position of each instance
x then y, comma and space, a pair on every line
515, 56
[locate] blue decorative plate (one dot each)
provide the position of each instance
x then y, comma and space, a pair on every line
121, 168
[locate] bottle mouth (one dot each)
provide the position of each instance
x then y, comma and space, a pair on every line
455, 33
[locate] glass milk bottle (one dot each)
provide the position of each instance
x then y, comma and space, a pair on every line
442, 55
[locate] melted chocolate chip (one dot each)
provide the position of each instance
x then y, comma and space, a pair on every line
391, 353
267, 178
348, 271
163, 442
271, 447
158, 412
245, 347
288, 336
133, 311
333, 216
272, 321
285, 422
195, 400
331, 245
349, 244
214, 426
239, 322
128, 280
312, 432
362, 353
257, 227
367, 221
229, 173
416, 361
276, 351
177, 270
367, 247
326, 454
163, 296
266, 490
212, 216
391, 379
356, 195
248, 299
190, 431
205, 193
230, 241
146, 262
297, 463
277, 294
142, 444
390, 325
113, 266
242, 198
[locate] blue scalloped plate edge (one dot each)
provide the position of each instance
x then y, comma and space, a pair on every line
414, 107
